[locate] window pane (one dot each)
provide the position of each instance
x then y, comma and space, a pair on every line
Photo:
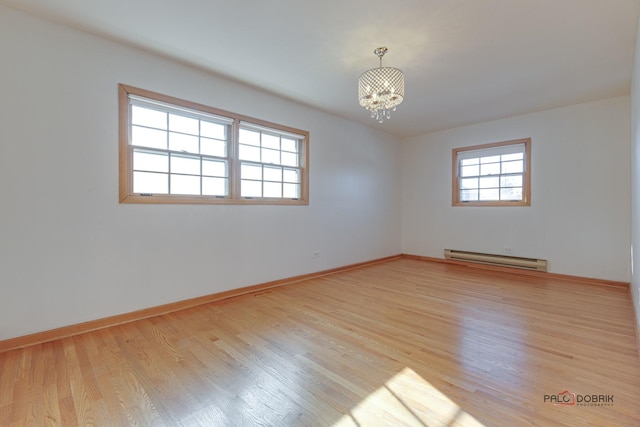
490, 159
490, 169
184, 184
489, 194
514, 193
272, 189
148, 117
189, 165
213, 130
153, 183
468, 162
492, 173
289, 145
272, 174
289, 159
249, 137
184, 124
270, 156
185, 150
251, 188
466, 183
511, 181
468, 195
214, 186
291, 175
470, 171
213, 147
270, 141
214, 168
150, 161
514, 156
144, 137
291, 191
182, 142
513, 167
248, 152
251, 172
489, 182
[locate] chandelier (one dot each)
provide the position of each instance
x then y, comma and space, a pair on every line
381, 90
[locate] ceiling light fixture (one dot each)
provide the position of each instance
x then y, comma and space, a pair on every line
381, 90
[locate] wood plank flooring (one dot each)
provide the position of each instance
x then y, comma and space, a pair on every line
404, 342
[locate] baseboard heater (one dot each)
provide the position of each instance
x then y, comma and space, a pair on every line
499, 260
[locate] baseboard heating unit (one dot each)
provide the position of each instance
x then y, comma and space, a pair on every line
499, 260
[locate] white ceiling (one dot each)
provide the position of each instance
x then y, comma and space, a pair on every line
465, 61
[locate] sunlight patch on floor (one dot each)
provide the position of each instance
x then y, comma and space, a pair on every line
407, 399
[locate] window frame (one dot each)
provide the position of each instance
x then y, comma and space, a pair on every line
126, 194
526, 175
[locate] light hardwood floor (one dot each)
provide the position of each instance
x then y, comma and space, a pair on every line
404, 342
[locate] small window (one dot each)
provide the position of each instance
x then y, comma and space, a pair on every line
497, 174
175, 151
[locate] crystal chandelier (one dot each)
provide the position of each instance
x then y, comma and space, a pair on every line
381, 90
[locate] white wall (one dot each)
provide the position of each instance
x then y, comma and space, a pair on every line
69, 252
635, 180
580, 212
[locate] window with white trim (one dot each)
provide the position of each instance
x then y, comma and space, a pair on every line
175, 151
496, 174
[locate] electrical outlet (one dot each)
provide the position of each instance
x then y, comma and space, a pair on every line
508, 251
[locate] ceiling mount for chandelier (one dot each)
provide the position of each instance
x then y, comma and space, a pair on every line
381, 90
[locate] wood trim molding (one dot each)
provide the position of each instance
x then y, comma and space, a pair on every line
92, 325
519, 271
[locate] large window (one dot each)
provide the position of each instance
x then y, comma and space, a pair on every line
175, 151
497, 174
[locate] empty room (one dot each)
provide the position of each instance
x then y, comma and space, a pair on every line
287, 213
